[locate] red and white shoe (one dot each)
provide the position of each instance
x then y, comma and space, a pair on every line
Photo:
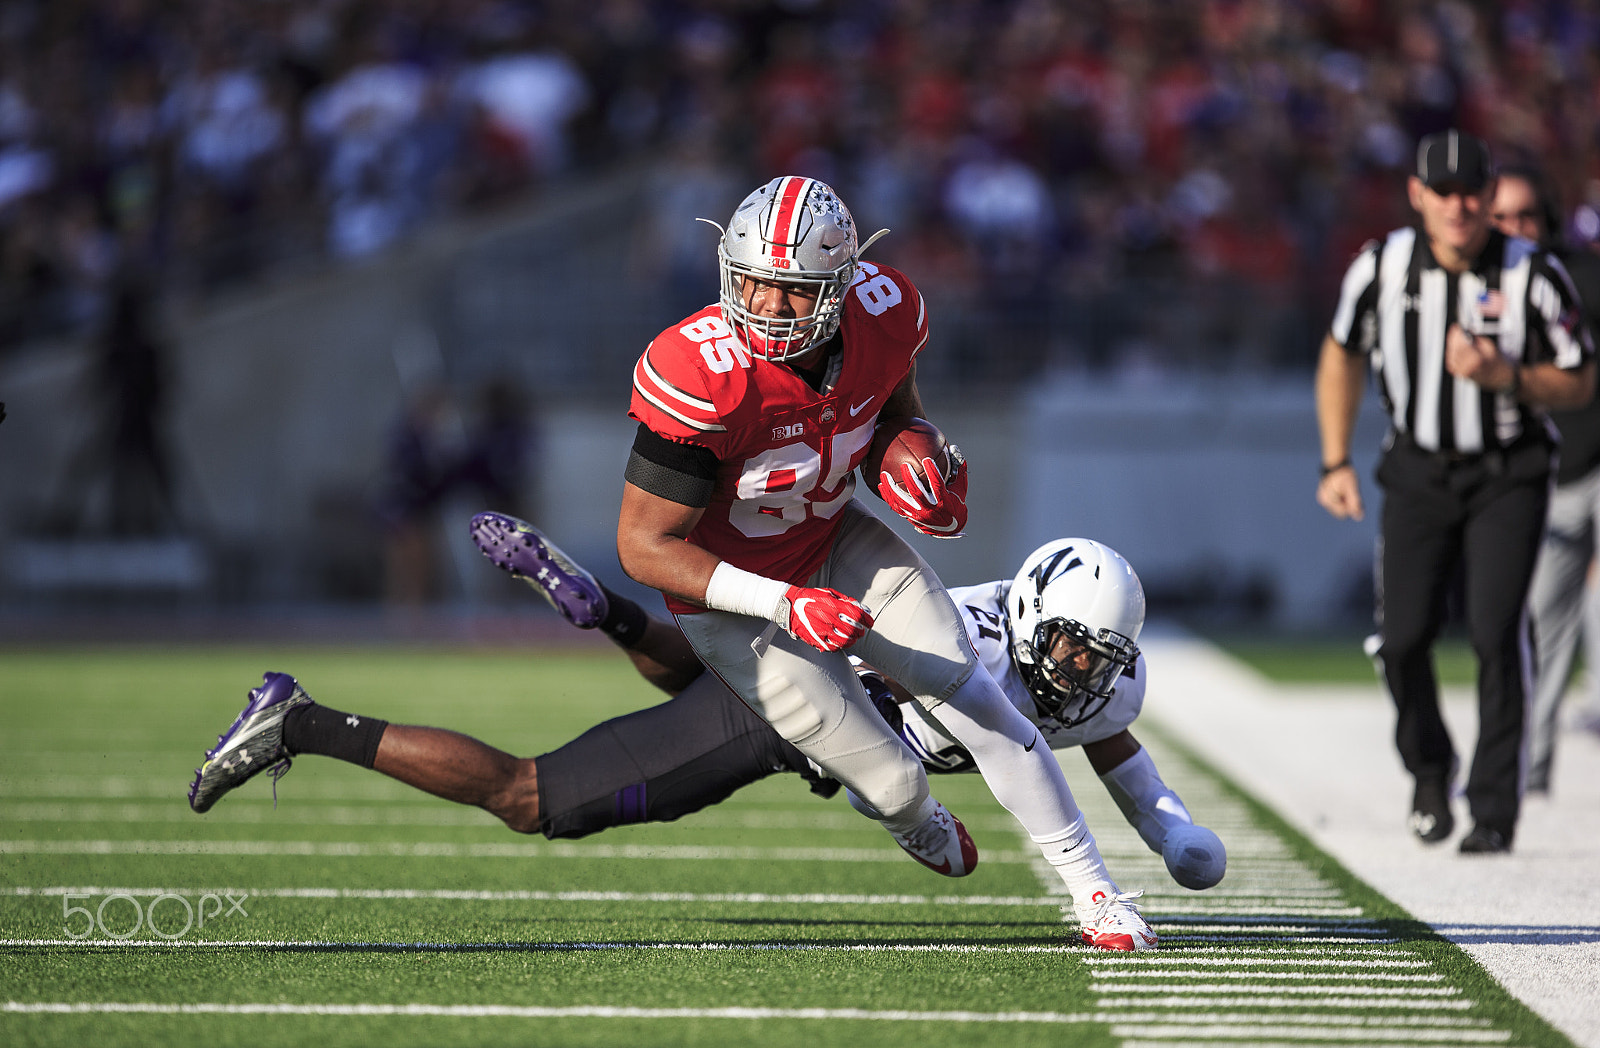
1116, 924
941, 844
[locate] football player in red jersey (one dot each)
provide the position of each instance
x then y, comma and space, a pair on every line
738, 507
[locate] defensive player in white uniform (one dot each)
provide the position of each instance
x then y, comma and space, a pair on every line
1060, 639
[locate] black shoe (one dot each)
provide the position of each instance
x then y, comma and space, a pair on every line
1486, 840
1430, 818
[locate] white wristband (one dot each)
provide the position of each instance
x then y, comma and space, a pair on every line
746, 593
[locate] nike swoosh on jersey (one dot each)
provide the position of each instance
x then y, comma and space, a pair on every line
1029, 747
858, 408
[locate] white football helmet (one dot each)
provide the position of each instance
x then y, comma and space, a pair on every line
1074, 612
792, 230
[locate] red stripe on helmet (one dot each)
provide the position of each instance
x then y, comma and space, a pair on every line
785, 214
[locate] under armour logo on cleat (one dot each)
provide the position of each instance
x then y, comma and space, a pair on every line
353, 720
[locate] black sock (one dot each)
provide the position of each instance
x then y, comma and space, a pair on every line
324, 730
625, 621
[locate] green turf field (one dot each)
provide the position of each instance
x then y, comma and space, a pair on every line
370, 914
1337, 660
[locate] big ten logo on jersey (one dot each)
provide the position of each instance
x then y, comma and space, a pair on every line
718, 346
878, 294
798, 481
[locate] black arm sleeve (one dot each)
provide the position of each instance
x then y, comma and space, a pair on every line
680, 473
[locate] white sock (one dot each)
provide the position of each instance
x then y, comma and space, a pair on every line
1076, 859
912, 817
1016, 762
1022, 773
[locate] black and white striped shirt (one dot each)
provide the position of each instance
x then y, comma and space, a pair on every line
1397, 304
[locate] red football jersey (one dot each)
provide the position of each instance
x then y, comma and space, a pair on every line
786, 451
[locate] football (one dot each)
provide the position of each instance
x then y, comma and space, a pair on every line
904, 440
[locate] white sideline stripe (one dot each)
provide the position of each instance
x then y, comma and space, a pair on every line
1327, 988
444, 850
492, 1011
546, 896
1263, 1001
546, 947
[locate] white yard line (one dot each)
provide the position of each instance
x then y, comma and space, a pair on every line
1178, 972
1231, 1030
511, 1011
1254, 1001
1306, 1027
446, 850
1251, 1042
465, 895
1311, 991
334, 946
1244, 960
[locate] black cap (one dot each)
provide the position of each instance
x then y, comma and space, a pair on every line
1450, 158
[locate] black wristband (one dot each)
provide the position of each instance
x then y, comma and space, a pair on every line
1336, 467
1516, 380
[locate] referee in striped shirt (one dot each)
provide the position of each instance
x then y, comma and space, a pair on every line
1470, 335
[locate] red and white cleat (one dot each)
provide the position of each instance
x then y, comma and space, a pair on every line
1117, 924
941, 844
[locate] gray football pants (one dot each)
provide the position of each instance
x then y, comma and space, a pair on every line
1563, 606
814, 699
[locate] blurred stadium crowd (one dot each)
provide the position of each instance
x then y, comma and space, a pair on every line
1094, 177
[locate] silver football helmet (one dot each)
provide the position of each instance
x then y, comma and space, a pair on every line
1074, 612
792, 230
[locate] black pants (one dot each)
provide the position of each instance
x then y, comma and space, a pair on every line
1486, 514
664, 762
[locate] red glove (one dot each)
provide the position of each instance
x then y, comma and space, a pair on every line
934, 506
826, 619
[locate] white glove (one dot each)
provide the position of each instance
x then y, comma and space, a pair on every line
1194, 855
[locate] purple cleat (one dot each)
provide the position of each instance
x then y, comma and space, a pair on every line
522, 549
253, 744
